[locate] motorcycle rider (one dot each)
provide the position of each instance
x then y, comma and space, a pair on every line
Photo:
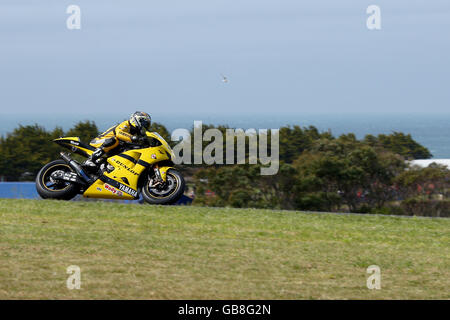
129, 131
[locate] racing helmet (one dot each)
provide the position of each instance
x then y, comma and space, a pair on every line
141, 121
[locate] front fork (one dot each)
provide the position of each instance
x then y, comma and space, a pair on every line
157, 180
160, 175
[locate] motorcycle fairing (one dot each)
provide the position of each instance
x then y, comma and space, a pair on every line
122, 182
76, 145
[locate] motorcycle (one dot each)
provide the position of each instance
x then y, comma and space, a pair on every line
146, 169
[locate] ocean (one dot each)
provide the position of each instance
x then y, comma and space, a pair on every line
430, 130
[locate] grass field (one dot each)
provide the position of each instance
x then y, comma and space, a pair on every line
153, 252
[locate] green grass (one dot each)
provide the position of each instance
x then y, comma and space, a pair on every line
154, 252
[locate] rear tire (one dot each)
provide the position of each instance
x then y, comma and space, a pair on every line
171, 194
49, 189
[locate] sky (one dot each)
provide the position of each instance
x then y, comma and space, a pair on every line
167, 57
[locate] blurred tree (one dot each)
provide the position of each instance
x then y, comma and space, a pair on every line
85, 130
162, 130
293, 141
399, 143
346, 171
243, 186
424, 182
26, 150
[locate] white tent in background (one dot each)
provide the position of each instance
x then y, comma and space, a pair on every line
426, 162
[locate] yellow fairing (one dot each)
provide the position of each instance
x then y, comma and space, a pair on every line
75, 145
163, 172
165, 146
128, 167
100, 189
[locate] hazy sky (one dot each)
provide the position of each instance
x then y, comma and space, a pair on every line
280, 56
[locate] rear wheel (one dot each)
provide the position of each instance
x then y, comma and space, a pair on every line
50, 188
168, 193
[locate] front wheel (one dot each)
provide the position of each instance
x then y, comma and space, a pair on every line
168, 193
50, 188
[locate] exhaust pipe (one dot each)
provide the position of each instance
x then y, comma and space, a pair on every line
76, 167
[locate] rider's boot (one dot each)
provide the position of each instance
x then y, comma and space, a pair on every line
91, 162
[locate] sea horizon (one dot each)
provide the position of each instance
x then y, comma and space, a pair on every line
430, 130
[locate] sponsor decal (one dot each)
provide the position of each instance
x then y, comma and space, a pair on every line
126, 167
128, 190
113, 190
70, 177
99, 189
75, 143
153, 156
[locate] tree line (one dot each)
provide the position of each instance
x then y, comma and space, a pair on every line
317, 172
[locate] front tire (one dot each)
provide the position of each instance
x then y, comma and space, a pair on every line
170, 194
51, 189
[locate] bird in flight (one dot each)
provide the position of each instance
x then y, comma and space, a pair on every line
224, 79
